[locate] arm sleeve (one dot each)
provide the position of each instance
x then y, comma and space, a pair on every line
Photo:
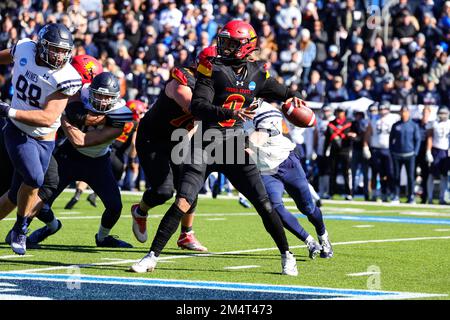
273, 90
202, 106
76, 113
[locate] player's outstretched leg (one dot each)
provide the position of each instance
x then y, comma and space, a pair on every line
167, 227
275, 189
247, 180
52, 226
296, 184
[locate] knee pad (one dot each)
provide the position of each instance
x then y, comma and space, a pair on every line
49, 187
155, 198
264, 205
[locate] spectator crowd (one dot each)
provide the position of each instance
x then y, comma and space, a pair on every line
331, 51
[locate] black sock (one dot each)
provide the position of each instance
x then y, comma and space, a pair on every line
186, 229
21, 225
167, 227
46, 215
78, 193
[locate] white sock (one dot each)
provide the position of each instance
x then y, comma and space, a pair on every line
430, 187
324, 236
442, 187
309, 239
314, 194
53, 225
102, 233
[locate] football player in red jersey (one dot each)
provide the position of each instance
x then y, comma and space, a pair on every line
154, 147
223, 99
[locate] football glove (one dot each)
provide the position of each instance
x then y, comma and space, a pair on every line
429, 157
4, 109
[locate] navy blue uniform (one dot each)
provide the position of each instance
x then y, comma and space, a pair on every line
404, 144
93, 166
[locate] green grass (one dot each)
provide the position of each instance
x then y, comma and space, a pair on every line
413, 266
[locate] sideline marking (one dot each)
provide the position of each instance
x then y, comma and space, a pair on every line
200, 255
226, 286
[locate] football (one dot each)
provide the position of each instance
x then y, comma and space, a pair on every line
300, 116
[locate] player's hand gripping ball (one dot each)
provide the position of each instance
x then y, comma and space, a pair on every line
296, 111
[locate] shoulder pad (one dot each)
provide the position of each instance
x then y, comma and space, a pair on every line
205, 68
68, 81
22, 46
179, 75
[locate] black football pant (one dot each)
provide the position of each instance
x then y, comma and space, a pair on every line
245, 178
341, 161
161, 173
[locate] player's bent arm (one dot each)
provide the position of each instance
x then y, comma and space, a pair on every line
6, 57
79, 139
54, 106
202, 107
274, 90
180, 93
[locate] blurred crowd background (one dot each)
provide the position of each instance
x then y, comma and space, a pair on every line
331, 51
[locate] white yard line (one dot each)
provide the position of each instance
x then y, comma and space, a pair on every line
15, 256
241, 267
328, 202
197, 255
441, 230
360, 274
364, 226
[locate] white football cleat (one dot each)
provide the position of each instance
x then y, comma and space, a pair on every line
139, 224
289, 264
146, 264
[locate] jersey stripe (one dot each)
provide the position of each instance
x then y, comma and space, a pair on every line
275, 115
73, 81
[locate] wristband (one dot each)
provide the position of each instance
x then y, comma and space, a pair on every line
12, 113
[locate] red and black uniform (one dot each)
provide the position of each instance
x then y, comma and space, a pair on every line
153, 141
340, 144
217, 92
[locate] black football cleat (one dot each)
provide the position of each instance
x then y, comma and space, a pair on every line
92, 198
112, 242
72, 203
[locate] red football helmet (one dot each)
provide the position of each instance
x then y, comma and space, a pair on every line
87, 66
236, 40
138, 108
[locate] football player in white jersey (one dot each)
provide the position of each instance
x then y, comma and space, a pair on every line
376, 148
319, 142
85, 156
437, 153
281, 169
43, 81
